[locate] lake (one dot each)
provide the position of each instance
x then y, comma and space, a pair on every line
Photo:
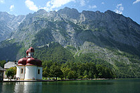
83, 86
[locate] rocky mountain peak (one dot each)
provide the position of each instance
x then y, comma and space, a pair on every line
8, 24
71, 13
40, 12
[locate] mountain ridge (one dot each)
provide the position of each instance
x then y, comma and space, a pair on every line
87, 36
9, 23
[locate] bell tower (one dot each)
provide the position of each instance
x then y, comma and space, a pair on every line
30, 52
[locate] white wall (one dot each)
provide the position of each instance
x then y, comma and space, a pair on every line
31, 72
19, 74
39, 76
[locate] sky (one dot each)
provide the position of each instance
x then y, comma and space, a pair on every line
128, 8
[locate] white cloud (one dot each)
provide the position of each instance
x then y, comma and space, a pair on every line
30, 4
1, 1
58, 3
136, 1
94, 6
119, 9
82, 2
50, 5
12, 7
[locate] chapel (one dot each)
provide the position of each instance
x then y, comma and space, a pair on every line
29, 68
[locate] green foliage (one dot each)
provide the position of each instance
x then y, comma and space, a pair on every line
9, 50
55, 71
89, 57
65, 69
127, 70
71, 48
71, 70
72, 75
11, 72
2, 63
54, 52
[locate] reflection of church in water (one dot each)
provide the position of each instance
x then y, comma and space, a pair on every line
21, 87
29, 68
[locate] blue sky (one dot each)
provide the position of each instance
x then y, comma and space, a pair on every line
129, 8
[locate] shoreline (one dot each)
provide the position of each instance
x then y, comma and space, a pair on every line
97, 79
13, 80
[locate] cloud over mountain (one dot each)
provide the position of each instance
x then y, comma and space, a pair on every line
30, 4
49, 5
119, 9
12, 7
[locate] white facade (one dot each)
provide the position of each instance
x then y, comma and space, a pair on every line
29, 72
20, 72
39, 73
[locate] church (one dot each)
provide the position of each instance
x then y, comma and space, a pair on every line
29, 68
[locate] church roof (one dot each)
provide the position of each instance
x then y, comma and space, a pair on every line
1, 69
31, 49
29, 60
10, 64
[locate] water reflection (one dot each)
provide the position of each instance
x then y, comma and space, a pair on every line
103, 86
28, 87
21, 87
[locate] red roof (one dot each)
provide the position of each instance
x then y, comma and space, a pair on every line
22, 61
31, 49
29, 60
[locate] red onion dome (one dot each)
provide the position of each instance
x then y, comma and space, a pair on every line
31, 49
31, 61
27, 52
22, 61
38, 62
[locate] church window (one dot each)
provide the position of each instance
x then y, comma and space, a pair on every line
38, 71
21, 70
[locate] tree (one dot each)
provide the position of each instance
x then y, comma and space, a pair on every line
11, 72
65, 71
85, 74
55, 71
2, 63
46, 71
72, 75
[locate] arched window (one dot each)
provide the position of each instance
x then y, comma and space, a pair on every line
38, 71
21, 70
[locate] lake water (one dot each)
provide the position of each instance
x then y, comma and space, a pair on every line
84, 86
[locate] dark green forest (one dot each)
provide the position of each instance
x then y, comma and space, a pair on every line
72, 70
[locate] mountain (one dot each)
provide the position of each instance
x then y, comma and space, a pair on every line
8, 24
68, 35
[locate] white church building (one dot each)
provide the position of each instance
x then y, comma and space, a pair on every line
29, 68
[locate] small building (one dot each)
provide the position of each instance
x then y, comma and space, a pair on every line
1, 73
9, 65
29, 68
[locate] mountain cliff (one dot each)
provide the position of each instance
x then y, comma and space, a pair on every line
104, 38
8, 24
